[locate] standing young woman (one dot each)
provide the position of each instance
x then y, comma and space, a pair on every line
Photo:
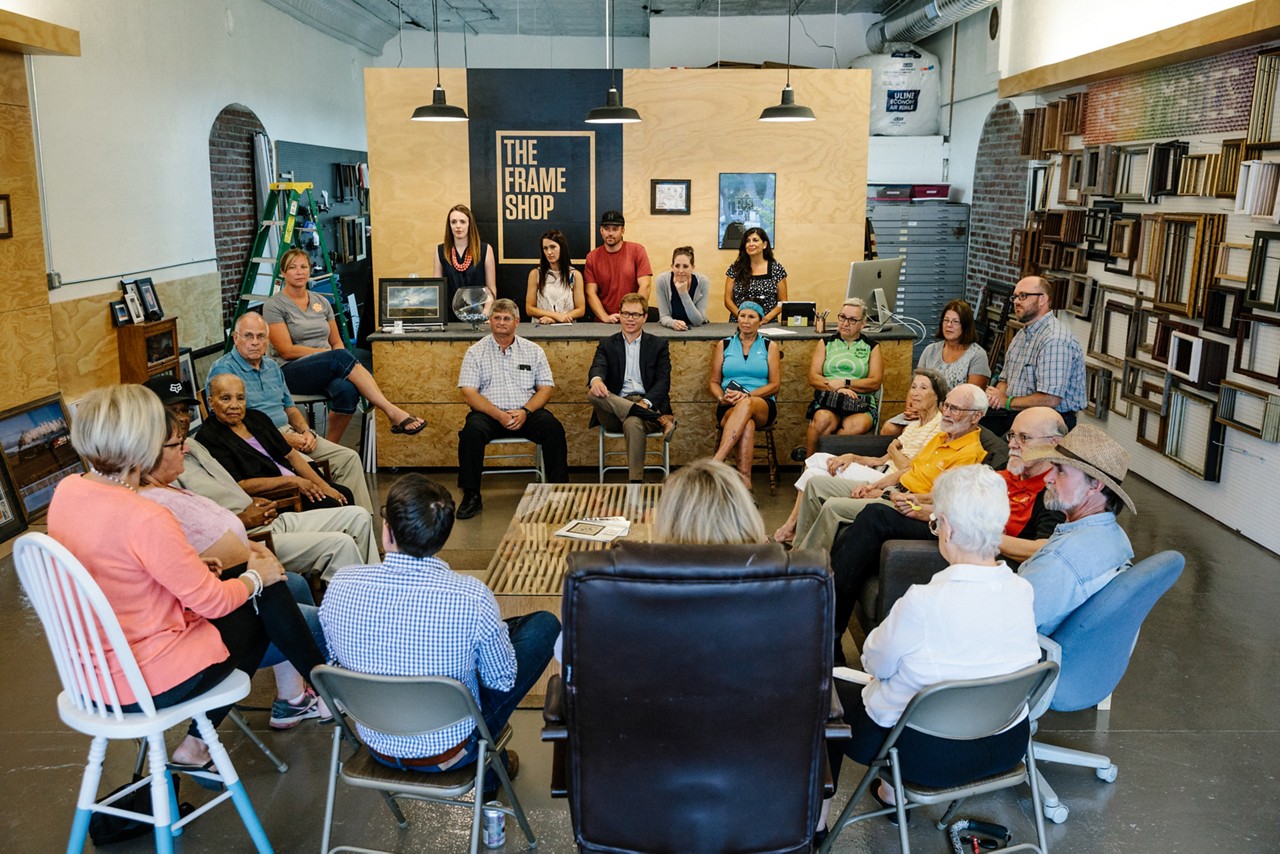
463, 260
304, 333
682, 293
746, 372
755, 276
555, 288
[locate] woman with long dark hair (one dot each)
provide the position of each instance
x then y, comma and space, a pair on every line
555, 288
755, 276
463, 259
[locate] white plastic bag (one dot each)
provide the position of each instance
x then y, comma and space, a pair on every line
905, 90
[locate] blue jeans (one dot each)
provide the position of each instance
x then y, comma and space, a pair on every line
533, 636
326, 374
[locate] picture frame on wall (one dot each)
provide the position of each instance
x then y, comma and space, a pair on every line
35, 443
12, 522
747, 200
187, 373
6, 220
669, 197
120, 313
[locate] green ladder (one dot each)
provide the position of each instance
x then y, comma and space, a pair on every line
281, 211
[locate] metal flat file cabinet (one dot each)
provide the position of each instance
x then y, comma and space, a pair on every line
933, 239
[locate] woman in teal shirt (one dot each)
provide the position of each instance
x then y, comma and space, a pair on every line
746, 372
846, 371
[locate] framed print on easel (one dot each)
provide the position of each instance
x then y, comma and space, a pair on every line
36, 442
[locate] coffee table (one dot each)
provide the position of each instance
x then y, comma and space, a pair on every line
527, 571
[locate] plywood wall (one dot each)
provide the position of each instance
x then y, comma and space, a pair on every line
27, 359
697, 123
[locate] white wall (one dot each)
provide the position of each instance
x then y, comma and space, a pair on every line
699, 42
124, 128
513, 51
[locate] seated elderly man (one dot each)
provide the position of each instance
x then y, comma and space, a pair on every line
323, 540
855, 554
265, 391
1089, 550
828, 502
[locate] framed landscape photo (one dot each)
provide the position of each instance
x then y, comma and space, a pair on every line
669, 197
35, 442
12, 522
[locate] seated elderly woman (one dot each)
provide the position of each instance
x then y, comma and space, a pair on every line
706, 503
187, 627
223, 543
305, 335
972, 620
248, 445
928, 390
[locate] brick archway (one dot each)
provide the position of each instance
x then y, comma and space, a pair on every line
999, 201
234, 209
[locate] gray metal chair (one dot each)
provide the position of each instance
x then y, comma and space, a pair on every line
662, 454
962, 710
408, 705
536, 466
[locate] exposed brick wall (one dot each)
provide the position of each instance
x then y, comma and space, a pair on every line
1203, 96
999, 202
234, 210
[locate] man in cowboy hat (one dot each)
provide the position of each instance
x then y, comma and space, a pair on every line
1088, 550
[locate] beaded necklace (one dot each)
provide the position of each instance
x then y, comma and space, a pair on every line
113, 479
460, 262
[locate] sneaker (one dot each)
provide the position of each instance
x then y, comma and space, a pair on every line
287, 714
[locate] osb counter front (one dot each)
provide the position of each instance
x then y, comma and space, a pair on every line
419, 373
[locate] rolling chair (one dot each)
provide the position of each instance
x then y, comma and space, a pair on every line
1092, 647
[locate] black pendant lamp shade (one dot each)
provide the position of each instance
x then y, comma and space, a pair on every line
438, 110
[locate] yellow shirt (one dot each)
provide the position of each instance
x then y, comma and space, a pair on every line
942, 453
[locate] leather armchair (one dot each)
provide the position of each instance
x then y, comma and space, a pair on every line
696, 699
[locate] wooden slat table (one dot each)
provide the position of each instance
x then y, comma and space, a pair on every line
527, 571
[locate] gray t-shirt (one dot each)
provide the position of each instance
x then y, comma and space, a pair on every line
308, 327
973, 361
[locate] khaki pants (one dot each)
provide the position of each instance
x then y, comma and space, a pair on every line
827, 506
614, 413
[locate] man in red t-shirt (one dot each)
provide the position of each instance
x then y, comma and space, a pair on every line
614, 269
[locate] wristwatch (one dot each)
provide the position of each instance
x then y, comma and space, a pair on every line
848, 383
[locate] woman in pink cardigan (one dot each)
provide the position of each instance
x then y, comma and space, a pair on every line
186, 626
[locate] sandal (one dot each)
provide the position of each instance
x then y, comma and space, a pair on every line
409, 431
199, 774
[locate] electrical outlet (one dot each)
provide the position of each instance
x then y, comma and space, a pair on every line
54, 280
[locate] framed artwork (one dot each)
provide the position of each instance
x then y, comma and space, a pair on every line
35, 439
669, 197
150, 302
133, 301
747, 200
187, 373
120, 313
12, 522
6, 220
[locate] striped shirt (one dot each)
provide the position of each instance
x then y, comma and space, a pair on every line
416, 617
505, 378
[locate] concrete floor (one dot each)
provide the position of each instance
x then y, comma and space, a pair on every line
1192, 727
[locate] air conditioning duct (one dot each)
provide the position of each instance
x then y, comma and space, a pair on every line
925, 21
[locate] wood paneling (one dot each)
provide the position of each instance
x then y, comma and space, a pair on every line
1248, 24
26, 356
21, 34
13, 80
196, 302
701, 122
21, 256
86, 344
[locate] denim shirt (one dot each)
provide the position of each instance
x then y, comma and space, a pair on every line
1079, 559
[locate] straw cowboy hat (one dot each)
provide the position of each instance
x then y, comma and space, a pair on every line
1093, 452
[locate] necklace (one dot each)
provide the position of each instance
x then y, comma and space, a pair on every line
460, 262
113, 479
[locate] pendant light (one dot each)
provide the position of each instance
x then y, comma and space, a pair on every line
788, 110
438, 110
613, 112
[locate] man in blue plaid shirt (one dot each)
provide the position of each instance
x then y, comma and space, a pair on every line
414, 616
1044, 365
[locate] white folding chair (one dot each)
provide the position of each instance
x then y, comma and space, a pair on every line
81, 627
409, 705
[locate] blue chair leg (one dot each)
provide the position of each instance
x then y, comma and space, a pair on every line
79, 832
250, 818
174, 812
88, 794
164, 803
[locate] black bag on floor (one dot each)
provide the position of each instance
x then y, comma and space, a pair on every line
107, 829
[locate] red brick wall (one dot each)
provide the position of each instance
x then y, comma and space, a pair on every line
999, 202
234, 210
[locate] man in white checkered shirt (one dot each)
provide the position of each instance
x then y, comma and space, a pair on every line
1044, 365
414, 616
506, 381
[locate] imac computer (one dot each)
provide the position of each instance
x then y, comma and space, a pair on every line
876, 284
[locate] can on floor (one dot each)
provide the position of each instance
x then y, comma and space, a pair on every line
494, 827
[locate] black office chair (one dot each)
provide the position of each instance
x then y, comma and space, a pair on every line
696, 699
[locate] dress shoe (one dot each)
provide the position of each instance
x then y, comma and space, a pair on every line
668, 423
798, 454
470, 506
875, 794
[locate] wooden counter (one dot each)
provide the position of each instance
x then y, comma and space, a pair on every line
419, 372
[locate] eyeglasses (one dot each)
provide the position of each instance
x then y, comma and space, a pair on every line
252, 336
950, 322
1023, 438
631, 314
948, 407
844, 318
1020, 297
177, 444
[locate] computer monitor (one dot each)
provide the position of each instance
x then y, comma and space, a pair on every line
876, 284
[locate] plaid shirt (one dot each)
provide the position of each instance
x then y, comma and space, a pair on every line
505, 379
1046, 357
416, 617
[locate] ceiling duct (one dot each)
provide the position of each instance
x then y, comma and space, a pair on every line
343, 20
925, 21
